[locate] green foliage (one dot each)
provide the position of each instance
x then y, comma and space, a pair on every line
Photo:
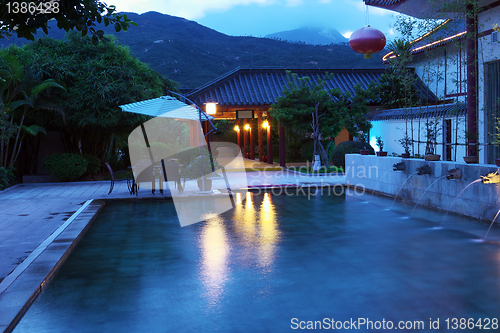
26, 17
93, 164
396, 89
65, 167
309, 107
199, 166
97, 78
7, 177
23, 95
307, 150
405, 142
348, 147
380, 143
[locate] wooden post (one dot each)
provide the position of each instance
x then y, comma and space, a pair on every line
472, 80
209, 136
245, 141
252, 141
259, 125
238, 133
269, 141
282, 145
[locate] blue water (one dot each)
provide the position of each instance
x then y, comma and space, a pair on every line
271, 259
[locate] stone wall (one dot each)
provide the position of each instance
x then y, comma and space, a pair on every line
479, 201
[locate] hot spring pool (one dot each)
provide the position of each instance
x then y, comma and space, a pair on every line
268, 261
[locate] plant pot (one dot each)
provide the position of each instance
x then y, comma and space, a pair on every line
471, 159
208, 184
381, 153
404, 155
264, 158
364, 151
497, 162
433, 157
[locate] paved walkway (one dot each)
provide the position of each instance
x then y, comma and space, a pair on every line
40, 222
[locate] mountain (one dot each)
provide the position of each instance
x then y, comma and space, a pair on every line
313, 36
192, 54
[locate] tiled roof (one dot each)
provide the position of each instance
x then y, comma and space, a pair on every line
382, 2
262, 86
432, 111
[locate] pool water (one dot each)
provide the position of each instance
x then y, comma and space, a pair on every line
271, 259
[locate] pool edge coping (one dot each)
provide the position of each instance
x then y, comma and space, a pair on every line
42, 269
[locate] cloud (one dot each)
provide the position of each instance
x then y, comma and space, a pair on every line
347, 34
191, 9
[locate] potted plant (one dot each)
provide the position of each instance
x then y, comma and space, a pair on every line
363, 138
380, 144
431, 135
405, 142
472, 159
199, 168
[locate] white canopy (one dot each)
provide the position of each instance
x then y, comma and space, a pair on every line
166, 106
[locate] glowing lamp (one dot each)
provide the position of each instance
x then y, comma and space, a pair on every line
367, 41
247, 127
237, 128
265, 124
211, 108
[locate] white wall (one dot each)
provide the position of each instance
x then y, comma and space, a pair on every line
393, 130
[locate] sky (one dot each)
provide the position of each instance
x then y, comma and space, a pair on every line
262, 17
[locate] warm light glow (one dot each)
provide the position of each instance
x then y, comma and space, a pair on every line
215, 253
265, 124
247, 127
237, 128
211, 108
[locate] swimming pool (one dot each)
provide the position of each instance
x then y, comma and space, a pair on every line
271, 264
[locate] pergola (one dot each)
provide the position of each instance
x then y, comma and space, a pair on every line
247, 93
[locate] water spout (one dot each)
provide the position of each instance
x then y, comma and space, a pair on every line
401, 166
424, 170
487, 232
491, 178
454, 174
401, 188
428, 187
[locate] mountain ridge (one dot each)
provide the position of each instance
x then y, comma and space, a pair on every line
192, 54
310, 35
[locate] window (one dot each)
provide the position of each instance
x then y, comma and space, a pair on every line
492, 106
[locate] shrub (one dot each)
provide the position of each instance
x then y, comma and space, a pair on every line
307, 149
65, 167
93, 164
348, 147
7, 177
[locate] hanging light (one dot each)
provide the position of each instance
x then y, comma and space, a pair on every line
237, 128
265, 124
367, 41
211, 107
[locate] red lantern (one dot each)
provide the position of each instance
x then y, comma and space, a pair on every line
367, 41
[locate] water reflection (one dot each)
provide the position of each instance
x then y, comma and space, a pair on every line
215, 252
269, 232
255, 229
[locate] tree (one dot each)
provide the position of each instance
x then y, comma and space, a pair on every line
19, 88
310, 107
26, 17
97, 79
